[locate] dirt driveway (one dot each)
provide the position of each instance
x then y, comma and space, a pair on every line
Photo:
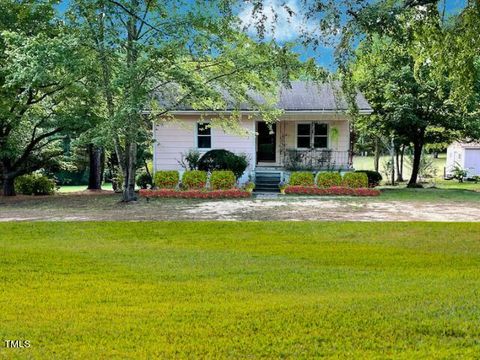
107, 207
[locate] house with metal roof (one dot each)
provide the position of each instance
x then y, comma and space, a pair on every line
312, 133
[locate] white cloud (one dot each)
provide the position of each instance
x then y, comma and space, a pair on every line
282, 19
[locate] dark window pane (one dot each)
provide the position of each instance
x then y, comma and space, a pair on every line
320, 142
321, 129
204, 129
303, 129
204, 142
303, 142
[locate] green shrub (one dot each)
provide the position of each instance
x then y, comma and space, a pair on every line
223, 160
355, 180
190, 159
222, 180
166, 179
301, 178
34, 184
24, 184
144, 180
329, 179
374, 177
194, 179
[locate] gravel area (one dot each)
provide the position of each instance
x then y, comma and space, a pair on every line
78, 207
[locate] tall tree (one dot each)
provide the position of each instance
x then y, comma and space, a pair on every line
40, 97
156, 54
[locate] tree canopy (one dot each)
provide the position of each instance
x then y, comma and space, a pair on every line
40, 97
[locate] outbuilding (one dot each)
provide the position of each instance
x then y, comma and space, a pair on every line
465, 155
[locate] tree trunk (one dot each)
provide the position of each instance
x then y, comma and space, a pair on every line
96, 167
129, 188
402, 153
8, 186
400, 164
417, 155
130, 154
376, 161
353, 139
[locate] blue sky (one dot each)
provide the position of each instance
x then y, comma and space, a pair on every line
287, 28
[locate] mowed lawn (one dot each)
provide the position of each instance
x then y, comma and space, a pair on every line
240, 290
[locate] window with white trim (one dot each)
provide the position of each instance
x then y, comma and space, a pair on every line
204, 136
312, 135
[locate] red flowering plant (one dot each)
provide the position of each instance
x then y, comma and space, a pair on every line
195, 194
334, 190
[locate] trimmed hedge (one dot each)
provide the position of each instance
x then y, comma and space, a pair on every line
374, 177
194, 179
166, 179
195, 194
34, 184
222, 180
335, 190
355, 180
301, 178
220, 159
329, 179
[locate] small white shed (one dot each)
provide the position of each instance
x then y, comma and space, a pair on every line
465, 155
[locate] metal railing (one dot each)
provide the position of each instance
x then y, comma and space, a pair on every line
315, 159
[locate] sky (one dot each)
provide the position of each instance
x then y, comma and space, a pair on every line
287, 28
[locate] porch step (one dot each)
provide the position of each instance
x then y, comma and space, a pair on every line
267, 181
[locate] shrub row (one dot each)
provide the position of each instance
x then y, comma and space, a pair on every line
195, 179
335, 190
34, 184
166, 179
355, 180
195, 194
222, 180
328, 179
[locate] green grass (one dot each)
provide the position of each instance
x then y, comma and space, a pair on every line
430, 194
367, 163
76, 188
240, 290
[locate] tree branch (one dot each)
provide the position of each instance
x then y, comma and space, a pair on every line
31, 146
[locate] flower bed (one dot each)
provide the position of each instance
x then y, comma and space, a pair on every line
195, 194
334, 190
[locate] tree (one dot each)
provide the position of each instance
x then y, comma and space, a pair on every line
402, 86
154, 55
40, 97
443, 52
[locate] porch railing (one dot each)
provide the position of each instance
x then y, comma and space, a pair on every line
315, 159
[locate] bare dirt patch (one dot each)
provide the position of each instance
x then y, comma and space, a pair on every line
106, 206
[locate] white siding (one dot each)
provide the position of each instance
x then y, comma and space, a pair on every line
472, 162
455, 157
172, 138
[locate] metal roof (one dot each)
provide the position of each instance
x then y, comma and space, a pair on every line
300, 96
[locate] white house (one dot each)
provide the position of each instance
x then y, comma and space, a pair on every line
313, 133
466, 156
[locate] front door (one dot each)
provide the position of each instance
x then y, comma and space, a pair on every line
266, 142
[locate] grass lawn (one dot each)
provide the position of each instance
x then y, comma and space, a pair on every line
76, 188
240, 290
433, 195
367, 163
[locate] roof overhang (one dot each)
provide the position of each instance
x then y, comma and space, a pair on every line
252, 112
